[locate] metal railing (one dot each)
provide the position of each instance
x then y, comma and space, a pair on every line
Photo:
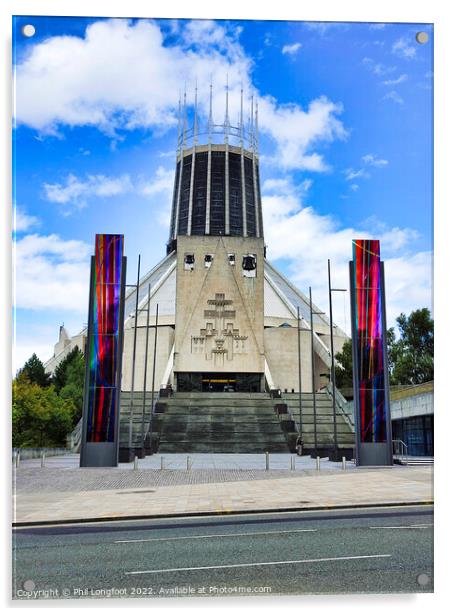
342, 406
400, 449
74, 438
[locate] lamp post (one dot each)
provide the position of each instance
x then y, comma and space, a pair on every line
134, 357
145, 368
300, 425
314, 400
333, 373
153, 376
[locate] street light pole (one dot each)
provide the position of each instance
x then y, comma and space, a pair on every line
134, 358
153, 376
299, 372
333, 372
314, 401
145, 367
314, 398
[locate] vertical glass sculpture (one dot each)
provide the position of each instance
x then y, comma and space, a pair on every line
369, 341
104, 360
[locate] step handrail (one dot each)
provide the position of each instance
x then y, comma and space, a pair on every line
400, 448
341, 405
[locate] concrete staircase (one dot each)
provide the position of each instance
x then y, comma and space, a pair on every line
232, 423
325, 425
414, 460
134, 410
220, 423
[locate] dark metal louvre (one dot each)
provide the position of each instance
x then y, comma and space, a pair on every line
185, 196
174, 207
250, 205
198, 221
217, 194
235, 195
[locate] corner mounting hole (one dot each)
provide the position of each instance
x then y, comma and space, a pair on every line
422, 38
28, 30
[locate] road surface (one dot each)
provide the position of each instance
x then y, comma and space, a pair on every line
342, 551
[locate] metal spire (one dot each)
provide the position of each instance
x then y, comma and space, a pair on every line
226, 117
251, 123
257, 129
241, 116
184, 134
210, 113
195, 122
178, 122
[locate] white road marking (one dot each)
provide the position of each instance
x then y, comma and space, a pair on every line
264, 532
264, 564
413, 526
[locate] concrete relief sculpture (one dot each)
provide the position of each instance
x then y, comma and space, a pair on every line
219, 341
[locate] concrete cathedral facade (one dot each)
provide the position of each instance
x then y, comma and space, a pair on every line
227, 318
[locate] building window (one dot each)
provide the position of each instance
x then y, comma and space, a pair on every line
189, 262
249, 265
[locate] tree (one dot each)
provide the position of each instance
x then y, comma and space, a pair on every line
411, 351
40, 417
74, 378
60, 376
33, 371
344, 372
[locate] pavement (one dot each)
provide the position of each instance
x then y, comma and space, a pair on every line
62, 492
376, 550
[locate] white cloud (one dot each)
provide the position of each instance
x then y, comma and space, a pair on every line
393, 82
404, 49
296, 131
23, 221
351, 174
394, 96
160, 191
51, 273
76, 192
123, 75
374, 161
163, 182
306, 239
291, 50
322, 27
369, 160
377, 26
377, 67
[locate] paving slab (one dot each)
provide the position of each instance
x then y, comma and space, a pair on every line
266, 491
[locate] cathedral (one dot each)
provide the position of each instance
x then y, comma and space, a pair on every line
215, 316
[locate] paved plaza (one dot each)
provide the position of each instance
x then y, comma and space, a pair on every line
61, 491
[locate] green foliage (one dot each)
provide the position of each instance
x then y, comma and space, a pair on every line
65, 369
411, 352
43, 413
40, 417
344, 372
74, 394
33, 371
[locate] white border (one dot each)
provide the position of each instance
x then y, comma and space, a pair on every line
427, 11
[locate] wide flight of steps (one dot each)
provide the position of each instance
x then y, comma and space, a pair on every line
325, 423
220, 423
133, 408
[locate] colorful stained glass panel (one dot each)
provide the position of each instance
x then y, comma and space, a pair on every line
104, 339
368, 330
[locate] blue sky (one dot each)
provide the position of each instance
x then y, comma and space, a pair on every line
345, 117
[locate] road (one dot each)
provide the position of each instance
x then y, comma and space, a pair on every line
341, 551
